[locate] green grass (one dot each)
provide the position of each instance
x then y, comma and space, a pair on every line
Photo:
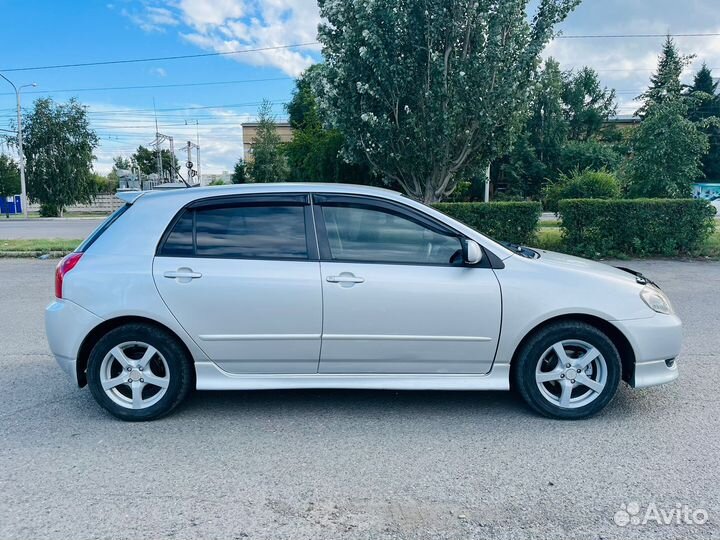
552, 223
27, 247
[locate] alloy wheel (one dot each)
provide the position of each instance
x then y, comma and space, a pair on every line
134, 375
571, 374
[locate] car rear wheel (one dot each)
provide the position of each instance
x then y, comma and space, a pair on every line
138, 372
568, 370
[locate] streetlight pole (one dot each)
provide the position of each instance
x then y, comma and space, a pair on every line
21, 154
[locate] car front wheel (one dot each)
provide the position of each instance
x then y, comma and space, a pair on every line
568, 370
138, 372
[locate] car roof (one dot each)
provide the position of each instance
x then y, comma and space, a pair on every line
239, 189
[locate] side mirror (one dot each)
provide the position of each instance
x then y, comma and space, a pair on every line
472, 252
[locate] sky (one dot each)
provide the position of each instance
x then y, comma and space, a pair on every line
210, 97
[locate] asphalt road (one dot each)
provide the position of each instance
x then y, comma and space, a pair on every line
65, 228
353, 464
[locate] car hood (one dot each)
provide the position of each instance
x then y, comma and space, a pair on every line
561, 261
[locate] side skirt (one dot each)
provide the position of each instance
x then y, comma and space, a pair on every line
211, 377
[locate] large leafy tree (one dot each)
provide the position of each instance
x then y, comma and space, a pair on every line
9, 177
59, 145
587, 104
562, 131
665, 84
705, 110
316, 152
667, 151
431, 91
268, 162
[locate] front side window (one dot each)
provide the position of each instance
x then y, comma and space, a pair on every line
370, 234
263, 231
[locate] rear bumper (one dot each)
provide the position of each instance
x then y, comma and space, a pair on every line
656, 341
66, 325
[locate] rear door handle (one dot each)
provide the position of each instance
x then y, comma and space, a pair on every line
345, 278
182, 274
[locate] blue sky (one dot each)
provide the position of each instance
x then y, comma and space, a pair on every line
50, 32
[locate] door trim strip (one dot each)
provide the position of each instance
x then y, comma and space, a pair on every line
258, 337
390, 337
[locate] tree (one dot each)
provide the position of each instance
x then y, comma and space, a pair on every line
59, 145
121, 163
665, 85
430, 92
9, 177
317, 153
587, 105
667, 151
147, 162
705, 111
240, 174
268, 163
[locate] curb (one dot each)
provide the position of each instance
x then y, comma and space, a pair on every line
32, 254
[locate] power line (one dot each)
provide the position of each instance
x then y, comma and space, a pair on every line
149, 86
634, 36
159, 58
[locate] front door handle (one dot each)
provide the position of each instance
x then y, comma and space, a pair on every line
345, 278
183, 274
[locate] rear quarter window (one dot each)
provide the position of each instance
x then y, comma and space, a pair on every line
104, 226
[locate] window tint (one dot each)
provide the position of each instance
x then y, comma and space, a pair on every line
263, 231
179, 242
358, 233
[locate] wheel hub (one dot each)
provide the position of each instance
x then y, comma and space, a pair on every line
570, 374
135, 375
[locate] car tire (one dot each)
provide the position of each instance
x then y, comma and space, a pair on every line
139, 372
567, 370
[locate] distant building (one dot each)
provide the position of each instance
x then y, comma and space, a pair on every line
623, 122
249, 131
224, 177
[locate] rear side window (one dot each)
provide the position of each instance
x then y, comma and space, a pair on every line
104, 226
262, 231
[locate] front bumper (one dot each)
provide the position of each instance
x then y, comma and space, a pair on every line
66, 325
655, 341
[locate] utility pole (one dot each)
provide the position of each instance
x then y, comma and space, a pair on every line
21, 154
487, 184
189, 163
197, 151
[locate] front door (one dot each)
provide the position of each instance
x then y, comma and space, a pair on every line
395, 299
241, 276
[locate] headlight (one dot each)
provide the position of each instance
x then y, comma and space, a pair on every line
656, 300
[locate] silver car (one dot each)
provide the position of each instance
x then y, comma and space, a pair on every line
272, 286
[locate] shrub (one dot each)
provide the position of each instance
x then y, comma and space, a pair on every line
601, 228
595, 155
509, 221
581, 185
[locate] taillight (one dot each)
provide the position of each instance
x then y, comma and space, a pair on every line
63, 267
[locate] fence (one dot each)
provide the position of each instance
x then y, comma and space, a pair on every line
103, 204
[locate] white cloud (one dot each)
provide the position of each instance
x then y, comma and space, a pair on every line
230, 25
204, 13
158, 72
151, 18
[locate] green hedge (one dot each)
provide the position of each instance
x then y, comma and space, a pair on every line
509, 221
635, 227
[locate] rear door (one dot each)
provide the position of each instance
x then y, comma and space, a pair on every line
241, 275
397, 297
